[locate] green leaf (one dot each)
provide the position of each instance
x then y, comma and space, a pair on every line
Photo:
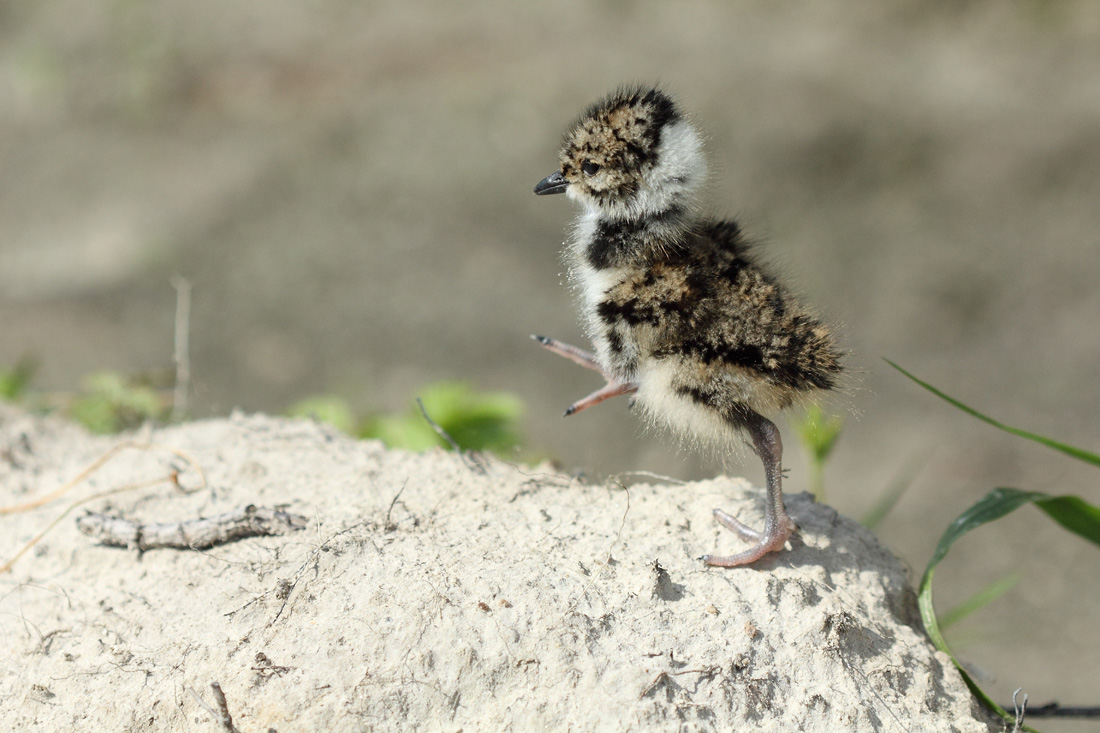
475, 420
1075, 514
14, 381
819, 431
329, 409
1078, 453
110, 404
1071, 512
402, 431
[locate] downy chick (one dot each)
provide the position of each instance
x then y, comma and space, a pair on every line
680, 314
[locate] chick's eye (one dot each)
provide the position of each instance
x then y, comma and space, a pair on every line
589, 168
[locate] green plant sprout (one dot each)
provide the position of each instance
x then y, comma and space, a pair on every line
475, 420
14, 381
330, 409
111, 403
1071, 512
818, 433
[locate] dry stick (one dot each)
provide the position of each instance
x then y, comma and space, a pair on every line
709, 672
223, 709
194, 534
1020, 711
268, 668
221, 715
1050, 710
471, 464
387, 526
181, 355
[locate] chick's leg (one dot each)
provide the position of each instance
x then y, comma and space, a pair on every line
613, 388
778, 526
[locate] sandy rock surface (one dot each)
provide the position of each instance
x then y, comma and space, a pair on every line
424, 594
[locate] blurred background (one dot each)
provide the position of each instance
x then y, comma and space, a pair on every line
347, 187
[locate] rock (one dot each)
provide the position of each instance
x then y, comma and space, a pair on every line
427, 594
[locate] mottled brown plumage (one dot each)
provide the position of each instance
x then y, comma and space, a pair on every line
679, 311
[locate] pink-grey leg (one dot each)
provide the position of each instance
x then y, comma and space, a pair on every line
778, 526
613, 388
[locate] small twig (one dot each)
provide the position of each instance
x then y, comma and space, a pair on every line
435, 426
267, 668
181, 354
1050, 710
221, 715
193, 534
472, 464
656, 681
387, 526
1020, 709
708, 672
45, 640
201, 702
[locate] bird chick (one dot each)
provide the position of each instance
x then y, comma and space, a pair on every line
680, 314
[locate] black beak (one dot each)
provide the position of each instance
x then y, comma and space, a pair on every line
553, 183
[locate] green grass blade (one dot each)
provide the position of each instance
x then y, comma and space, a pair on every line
1078, 453
1071, 512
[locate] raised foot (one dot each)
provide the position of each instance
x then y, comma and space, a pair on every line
772, 539
613, 388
